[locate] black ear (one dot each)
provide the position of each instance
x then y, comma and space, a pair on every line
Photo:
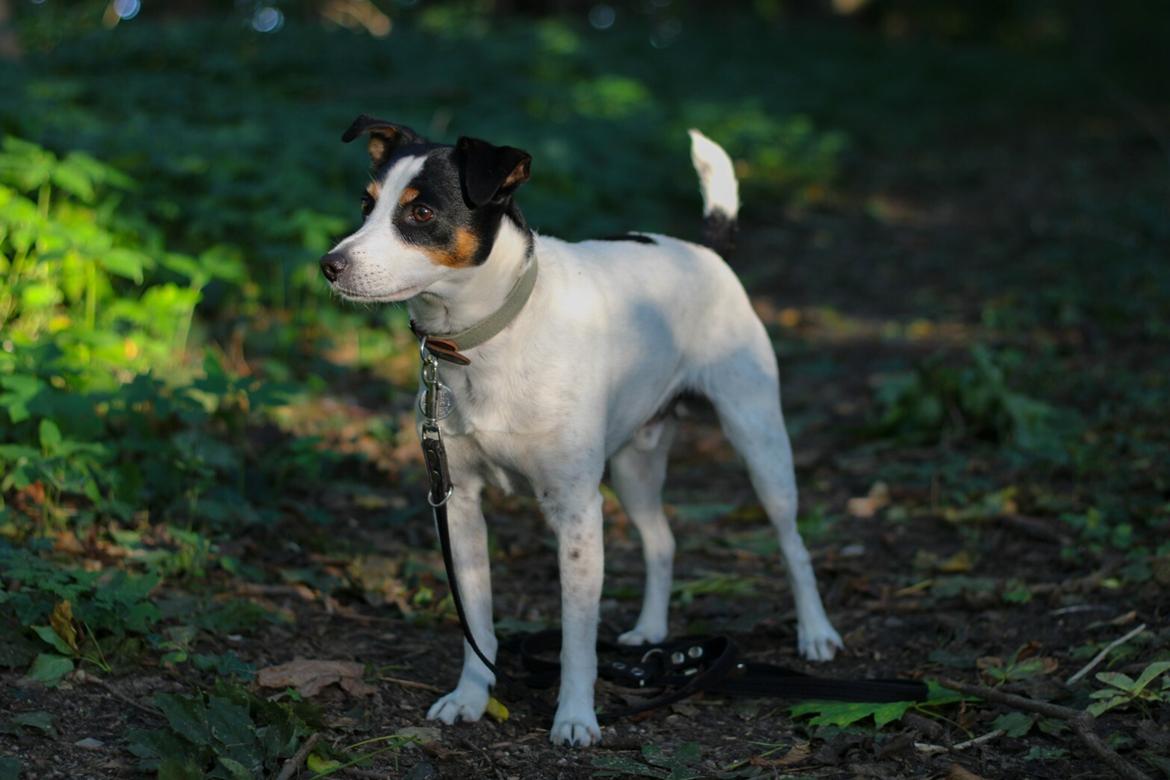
385, 136
488, 171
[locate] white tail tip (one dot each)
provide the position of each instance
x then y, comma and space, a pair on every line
716, 175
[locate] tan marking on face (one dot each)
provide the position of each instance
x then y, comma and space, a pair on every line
374, 189
459, 254
408, 194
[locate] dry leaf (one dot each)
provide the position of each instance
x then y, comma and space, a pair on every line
310, 676
797, 754
957, 772
62, 622
957, 564
870, 505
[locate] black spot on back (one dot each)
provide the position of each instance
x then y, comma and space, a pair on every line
635, 237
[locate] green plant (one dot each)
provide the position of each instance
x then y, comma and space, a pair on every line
681, 763
1123, 691
228, 733
843, 713
938, 401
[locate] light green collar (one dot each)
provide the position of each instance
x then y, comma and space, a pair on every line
450, 346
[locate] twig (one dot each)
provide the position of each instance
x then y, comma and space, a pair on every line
1081, 722
926, 747
123, 697
294, 763
422, 686
1099, 657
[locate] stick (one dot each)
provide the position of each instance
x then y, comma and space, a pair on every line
926, 747
1081, 722
117, 694
422, 686
1099, 657
294, 763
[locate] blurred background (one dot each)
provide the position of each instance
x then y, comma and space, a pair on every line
955, 225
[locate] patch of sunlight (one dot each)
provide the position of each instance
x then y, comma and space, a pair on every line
891, 210
827, 325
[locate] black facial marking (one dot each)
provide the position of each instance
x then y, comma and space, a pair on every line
456, 234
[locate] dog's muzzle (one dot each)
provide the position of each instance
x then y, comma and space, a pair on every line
333, 265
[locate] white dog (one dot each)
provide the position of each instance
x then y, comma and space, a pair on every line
612, 331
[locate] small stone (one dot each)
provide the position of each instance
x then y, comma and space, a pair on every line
89, 743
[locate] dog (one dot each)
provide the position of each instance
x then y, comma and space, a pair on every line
612, 333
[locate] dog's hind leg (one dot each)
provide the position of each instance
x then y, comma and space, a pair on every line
637, 472
745, 390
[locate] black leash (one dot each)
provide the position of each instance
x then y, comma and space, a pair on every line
679, 668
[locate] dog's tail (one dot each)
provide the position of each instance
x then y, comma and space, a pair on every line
720, 193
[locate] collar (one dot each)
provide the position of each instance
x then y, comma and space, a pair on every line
450, 346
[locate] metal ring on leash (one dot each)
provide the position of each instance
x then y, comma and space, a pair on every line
446, 498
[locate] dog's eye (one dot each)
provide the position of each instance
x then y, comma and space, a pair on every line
367, 204
421, 213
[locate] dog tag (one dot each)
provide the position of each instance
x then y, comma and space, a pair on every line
444, 403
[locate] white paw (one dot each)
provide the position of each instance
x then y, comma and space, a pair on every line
575, 729
818, 640
466, 702
639, 635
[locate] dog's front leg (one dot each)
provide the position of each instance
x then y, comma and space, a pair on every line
470, 551
575, 516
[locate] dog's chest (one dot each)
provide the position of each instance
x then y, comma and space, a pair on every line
498, 429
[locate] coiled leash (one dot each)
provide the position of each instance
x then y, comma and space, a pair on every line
679, 668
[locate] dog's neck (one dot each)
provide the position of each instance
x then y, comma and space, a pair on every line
469, 295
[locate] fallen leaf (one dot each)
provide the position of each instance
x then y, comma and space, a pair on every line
957, 563
310, 676
869, 505
797, 754
426, 735
62, 622
957, 772
497, 710
321, 765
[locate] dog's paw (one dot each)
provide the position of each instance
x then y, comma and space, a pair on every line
466, 702
642, 636
575, 729
819, 642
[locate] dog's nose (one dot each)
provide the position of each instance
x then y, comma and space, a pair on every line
333, 264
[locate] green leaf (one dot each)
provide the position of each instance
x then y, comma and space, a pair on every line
73, 179
49, 669
236, 770
1014, 724
186, 715
845, 713
179, 768
40, 720
229, 722
125, 263
1149, 673
40, 295
624, 765
10, 768
53, 639
1096, 709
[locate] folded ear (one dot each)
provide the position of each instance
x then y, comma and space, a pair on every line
385, 136
490, 172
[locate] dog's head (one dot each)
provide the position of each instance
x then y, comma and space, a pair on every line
430, 211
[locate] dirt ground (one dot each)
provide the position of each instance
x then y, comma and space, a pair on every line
875, 566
